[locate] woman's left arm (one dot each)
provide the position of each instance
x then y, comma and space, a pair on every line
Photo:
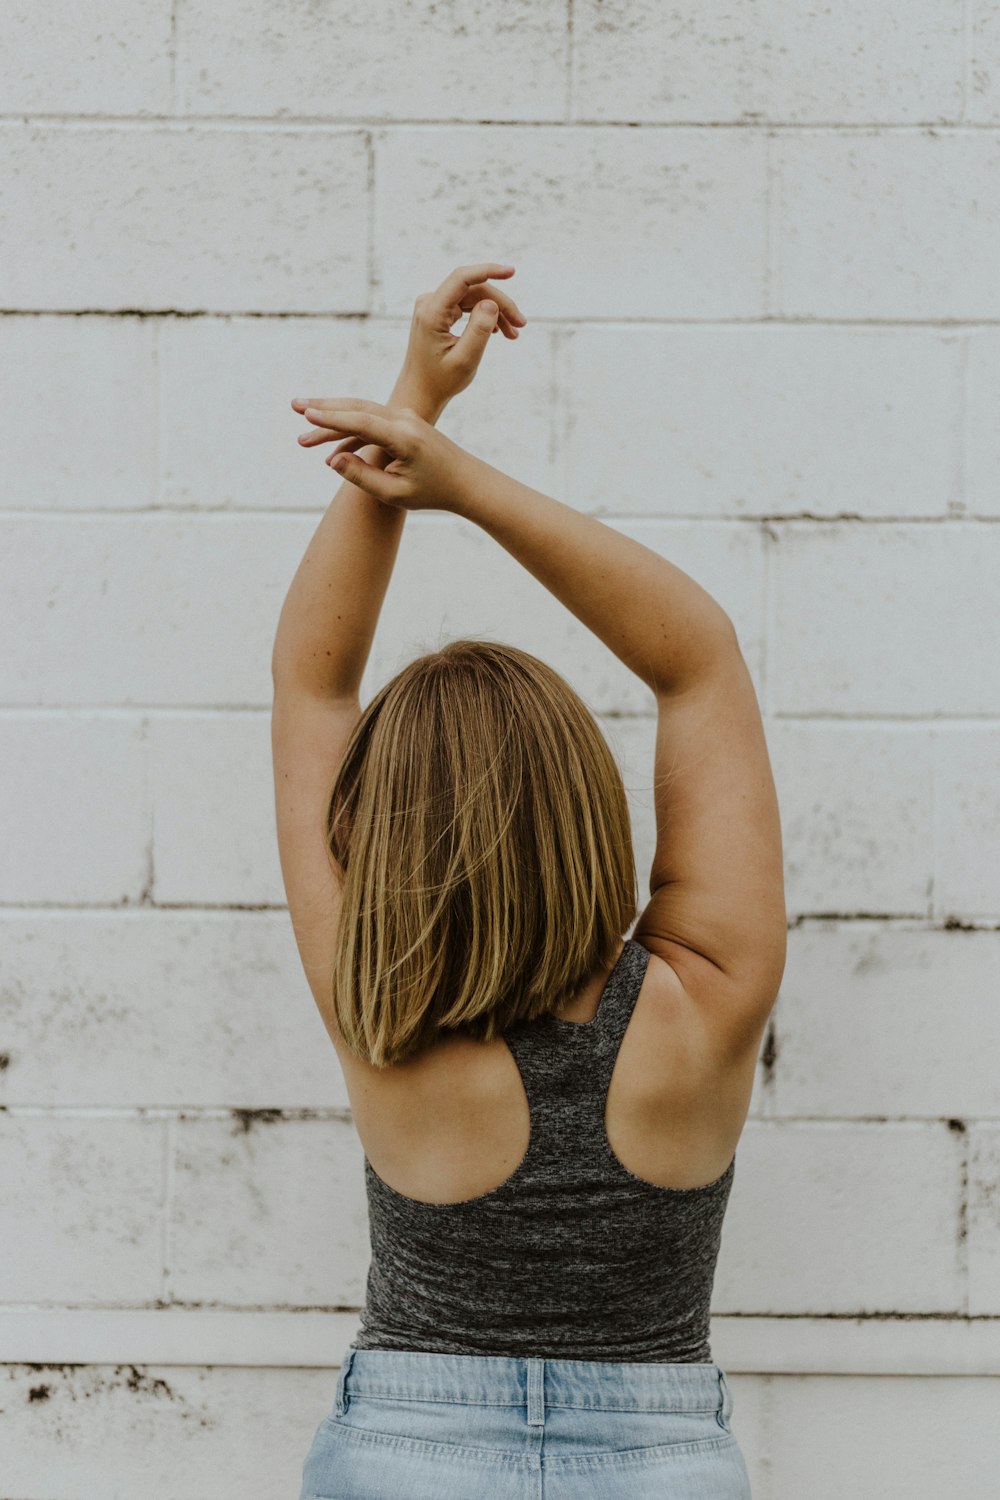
328, 620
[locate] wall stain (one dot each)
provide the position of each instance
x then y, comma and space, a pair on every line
769, 1053
82, 1381
247, 1118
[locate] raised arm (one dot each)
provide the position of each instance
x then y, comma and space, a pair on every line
652, 615
331, 611
717, 908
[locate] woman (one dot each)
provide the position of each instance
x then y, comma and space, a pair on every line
549, 1109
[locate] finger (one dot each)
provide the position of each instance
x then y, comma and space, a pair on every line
346, 421
316, 436
367, 477
464, 277
510, 314
506, 326
457, 287
341, 403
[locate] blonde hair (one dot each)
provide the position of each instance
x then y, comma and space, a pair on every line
482, 833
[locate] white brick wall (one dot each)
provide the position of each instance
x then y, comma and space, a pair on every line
757, 247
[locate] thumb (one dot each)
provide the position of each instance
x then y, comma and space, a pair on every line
367, 477
477, 332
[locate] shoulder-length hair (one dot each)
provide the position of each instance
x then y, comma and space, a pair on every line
481, 829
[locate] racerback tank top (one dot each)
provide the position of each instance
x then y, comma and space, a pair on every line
572, 1256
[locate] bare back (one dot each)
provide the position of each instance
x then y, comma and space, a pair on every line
453, 1123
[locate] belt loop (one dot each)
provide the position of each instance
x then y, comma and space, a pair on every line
727, 1398
536, 1393
343, 1395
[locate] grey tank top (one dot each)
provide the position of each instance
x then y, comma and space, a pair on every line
572, 1257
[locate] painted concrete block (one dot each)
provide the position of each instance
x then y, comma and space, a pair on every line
599, 224
750, 420
882, 619
749, 61
899, 225
844, 1217
214, 837
78, 412
268, 1212
856, 812
908, 1439
81, 1208
78, 60
184, 219
177, 1008
967, 821
472, 62
158, 609
883, 1019
74, 803
166, 1432
984, 73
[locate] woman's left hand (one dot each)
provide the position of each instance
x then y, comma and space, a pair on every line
438, 363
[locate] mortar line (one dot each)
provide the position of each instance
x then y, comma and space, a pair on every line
918, 723
668, 321
175, 82
166, 1226
329, 124
569, 89
961, 456
769, 278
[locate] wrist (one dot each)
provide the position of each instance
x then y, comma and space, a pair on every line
407, 392
466, 476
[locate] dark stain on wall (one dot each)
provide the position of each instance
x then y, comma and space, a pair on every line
246, 1119
769, 1053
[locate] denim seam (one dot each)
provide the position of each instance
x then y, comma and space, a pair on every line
365, 1393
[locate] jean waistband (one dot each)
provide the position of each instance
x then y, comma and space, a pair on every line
496, 1380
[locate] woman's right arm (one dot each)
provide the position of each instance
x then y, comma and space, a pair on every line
662, 624
716, 912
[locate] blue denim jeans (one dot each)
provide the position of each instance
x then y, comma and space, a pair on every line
416, 1426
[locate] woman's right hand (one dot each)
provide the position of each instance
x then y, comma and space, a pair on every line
426, 467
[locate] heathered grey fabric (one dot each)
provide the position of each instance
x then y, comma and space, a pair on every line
572, 1257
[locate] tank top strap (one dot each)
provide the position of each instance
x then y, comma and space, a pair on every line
617, 1003
566, 1066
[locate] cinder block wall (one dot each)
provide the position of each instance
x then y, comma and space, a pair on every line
757, 244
